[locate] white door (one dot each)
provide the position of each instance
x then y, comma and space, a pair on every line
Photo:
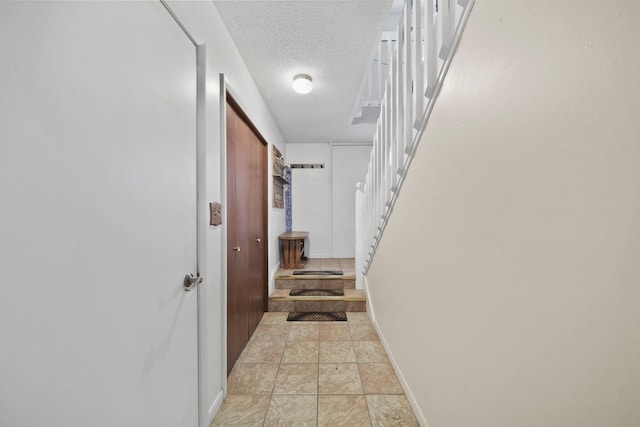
97, 216
349, 166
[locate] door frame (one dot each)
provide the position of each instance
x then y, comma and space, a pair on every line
200, 219
226, 89
223, 248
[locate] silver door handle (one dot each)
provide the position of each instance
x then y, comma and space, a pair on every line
236, 248
191, 281
258, 240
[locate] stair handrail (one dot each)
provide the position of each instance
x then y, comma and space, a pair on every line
428, 34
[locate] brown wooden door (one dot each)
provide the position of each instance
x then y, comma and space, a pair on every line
257, 232
246, 232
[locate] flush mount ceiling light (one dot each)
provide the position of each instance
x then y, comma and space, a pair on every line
302, 83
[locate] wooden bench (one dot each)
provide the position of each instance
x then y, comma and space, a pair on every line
293, 245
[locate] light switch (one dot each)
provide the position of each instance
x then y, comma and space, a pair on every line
215, 211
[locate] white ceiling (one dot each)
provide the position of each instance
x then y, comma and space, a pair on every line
334, 41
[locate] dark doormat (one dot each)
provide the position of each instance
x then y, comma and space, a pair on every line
316, 293
317, 273
334, 316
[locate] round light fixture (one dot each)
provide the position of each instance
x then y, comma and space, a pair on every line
302, 83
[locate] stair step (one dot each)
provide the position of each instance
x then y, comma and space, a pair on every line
316, 282
353, 300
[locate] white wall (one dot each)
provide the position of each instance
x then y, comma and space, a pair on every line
204, 22
349, 166
311, 196
38, 31
315, 193
506, 283
97, 223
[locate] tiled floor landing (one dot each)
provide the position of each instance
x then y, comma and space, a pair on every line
314, 374
353, 299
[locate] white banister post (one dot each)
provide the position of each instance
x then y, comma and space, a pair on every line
380, 163
383, 154
393, 116
361, 241
371, 186
431, 54
418, 63
448, 12
388, 152
407, 122
400, 94
426, 37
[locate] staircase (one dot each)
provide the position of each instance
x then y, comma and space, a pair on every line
352, 300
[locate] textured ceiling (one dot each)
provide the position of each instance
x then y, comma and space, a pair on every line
333, 41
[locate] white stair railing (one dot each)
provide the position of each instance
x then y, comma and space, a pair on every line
427, 36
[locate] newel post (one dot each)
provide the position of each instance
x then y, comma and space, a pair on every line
360, 234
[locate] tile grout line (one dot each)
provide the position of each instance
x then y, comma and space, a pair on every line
318, 387
318, 381
264, 421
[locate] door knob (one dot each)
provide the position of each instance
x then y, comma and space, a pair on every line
191, 281
236, 248
258, 240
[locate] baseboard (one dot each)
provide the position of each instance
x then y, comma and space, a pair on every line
272, 278
215, 406
370, 310
319, 256
403, 382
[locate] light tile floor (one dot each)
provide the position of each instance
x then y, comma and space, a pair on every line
314, 374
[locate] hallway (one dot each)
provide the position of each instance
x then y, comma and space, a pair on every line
495, 225
314, 374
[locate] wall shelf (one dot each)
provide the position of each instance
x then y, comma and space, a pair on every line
279, 180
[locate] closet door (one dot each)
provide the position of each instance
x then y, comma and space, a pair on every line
247, 232
258, 231
237, 320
